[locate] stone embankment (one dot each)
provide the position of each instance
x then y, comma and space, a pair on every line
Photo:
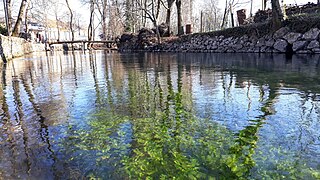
282, 41
11, 47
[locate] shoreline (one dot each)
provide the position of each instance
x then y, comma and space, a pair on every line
283, 40
298, 35
12, 47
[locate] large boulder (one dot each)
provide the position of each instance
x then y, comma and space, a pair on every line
127, 42
126, 37
299, 45
316, 50
281, 45
244, 39
292, 37
261, 42
281, 32
145, 34
270, 42
313, 44
237, 47
147, 38
312, 34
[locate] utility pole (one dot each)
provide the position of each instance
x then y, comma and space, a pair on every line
6, 16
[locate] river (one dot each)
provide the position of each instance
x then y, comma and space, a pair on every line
160, 115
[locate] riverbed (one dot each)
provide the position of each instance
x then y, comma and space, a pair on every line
160, 115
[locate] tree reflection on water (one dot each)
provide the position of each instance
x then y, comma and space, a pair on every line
161, 116
160, 137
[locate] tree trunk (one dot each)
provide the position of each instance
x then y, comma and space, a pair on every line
168, 21
224, 15
57, 24
128, 17
26, 22
179, 15
251, 4
16, 29
144, 13
90, 27
71, 20
264, 5
157, 31
9, 8
7, 15
215, 21
134, 16
104, 20
201, 22
276, 14
231, 16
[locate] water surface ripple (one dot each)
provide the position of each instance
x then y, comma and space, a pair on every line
160, 115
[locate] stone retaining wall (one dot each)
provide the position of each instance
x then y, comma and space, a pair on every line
282, 41
11, 47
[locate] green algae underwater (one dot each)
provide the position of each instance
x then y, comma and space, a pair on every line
160, 116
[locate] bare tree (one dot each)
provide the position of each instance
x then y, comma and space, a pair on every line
23, 7
102, 8
264, 4
179, 17
57, 18
230, 5
8, 5
38, 12
116, 20
71, 20
168, 17
128, 16
152, 12
90, 26
225, 14
26, 21
92, 6
212, 18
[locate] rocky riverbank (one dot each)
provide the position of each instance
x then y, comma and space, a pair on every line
299, 34
282, 41
11, 47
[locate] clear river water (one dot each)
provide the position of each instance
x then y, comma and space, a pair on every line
106, 115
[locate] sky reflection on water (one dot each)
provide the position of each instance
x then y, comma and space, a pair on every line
95, 114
